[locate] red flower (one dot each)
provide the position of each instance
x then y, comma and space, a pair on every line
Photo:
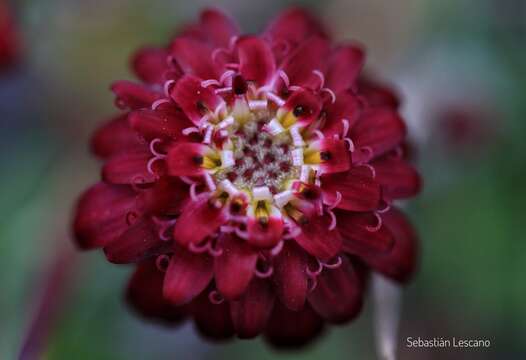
8, 38
251, 178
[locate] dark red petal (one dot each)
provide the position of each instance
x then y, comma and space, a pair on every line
338, 295
345, 63
399, 263
292, 329
251, 312
295, 25
194, 57
359, 190
113, 137
378, 95
360, 233
195, 100
317, 239
198, 220
235, 267
264, 236
290, 278
134, 96
145, 295
166, 197
218, 27
184, 159
348, 108
308, 102
187, 275
337, 156
159, 124
397, 177
301, 63
256, 61
140, 241
380, 130
150, 64
129, 167
212, 320
101, 214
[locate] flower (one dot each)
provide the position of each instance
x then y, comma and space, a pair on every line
251, 178
9, 46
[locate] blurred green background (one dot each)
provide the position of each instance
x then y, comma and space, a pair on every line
461, 68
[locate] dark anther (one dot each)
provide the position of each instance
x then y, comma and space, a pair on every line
235, 207
298, 111
263, 221
201, 107
198, 160
325, 155
239, 85
310, 194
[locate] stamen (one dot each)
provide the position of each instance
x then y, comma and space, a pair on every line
226, 122
210, 82
190, 130
229, 187
198, 249
378, 225
283, 75
321, 77
215, 297
193, 194
275, 98
305, 174
332, 225
158, 103
319, 134
167, 86
219, 109
187, 180
208, 135
297, 157
331, 94
226, 89
297, 139
345, 129
337, 201
274, 127
261, 193
314, 273
227, 158
152, 148
350, 144
258, 104
281, 199
162, 262
370, 167
277, 249
209, 181
333, 266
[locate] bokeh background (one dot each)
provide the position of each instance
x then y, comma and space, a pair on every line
461, 68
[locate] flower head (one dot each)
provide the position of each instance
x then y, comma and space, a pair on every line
252, 178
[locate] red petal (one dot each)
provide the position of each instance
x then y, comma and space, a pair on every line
101, 214
380, 130
339, 157
194, 99
359, 190
265, 236
378, 95
212, 320
317, 240
194, 57
290, 278
397, 177
256, 61
198, 220
347, 107
184, 159
187, 275
360, 234
235, 267
310, 106
295, 25
166, 197
150, 64
218, 27
113, 137
159, 124
292, 329
129, 167
338, 295
145, 295
251, 312
137, 243
134, 96
301, 63
345, 63
399, 263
